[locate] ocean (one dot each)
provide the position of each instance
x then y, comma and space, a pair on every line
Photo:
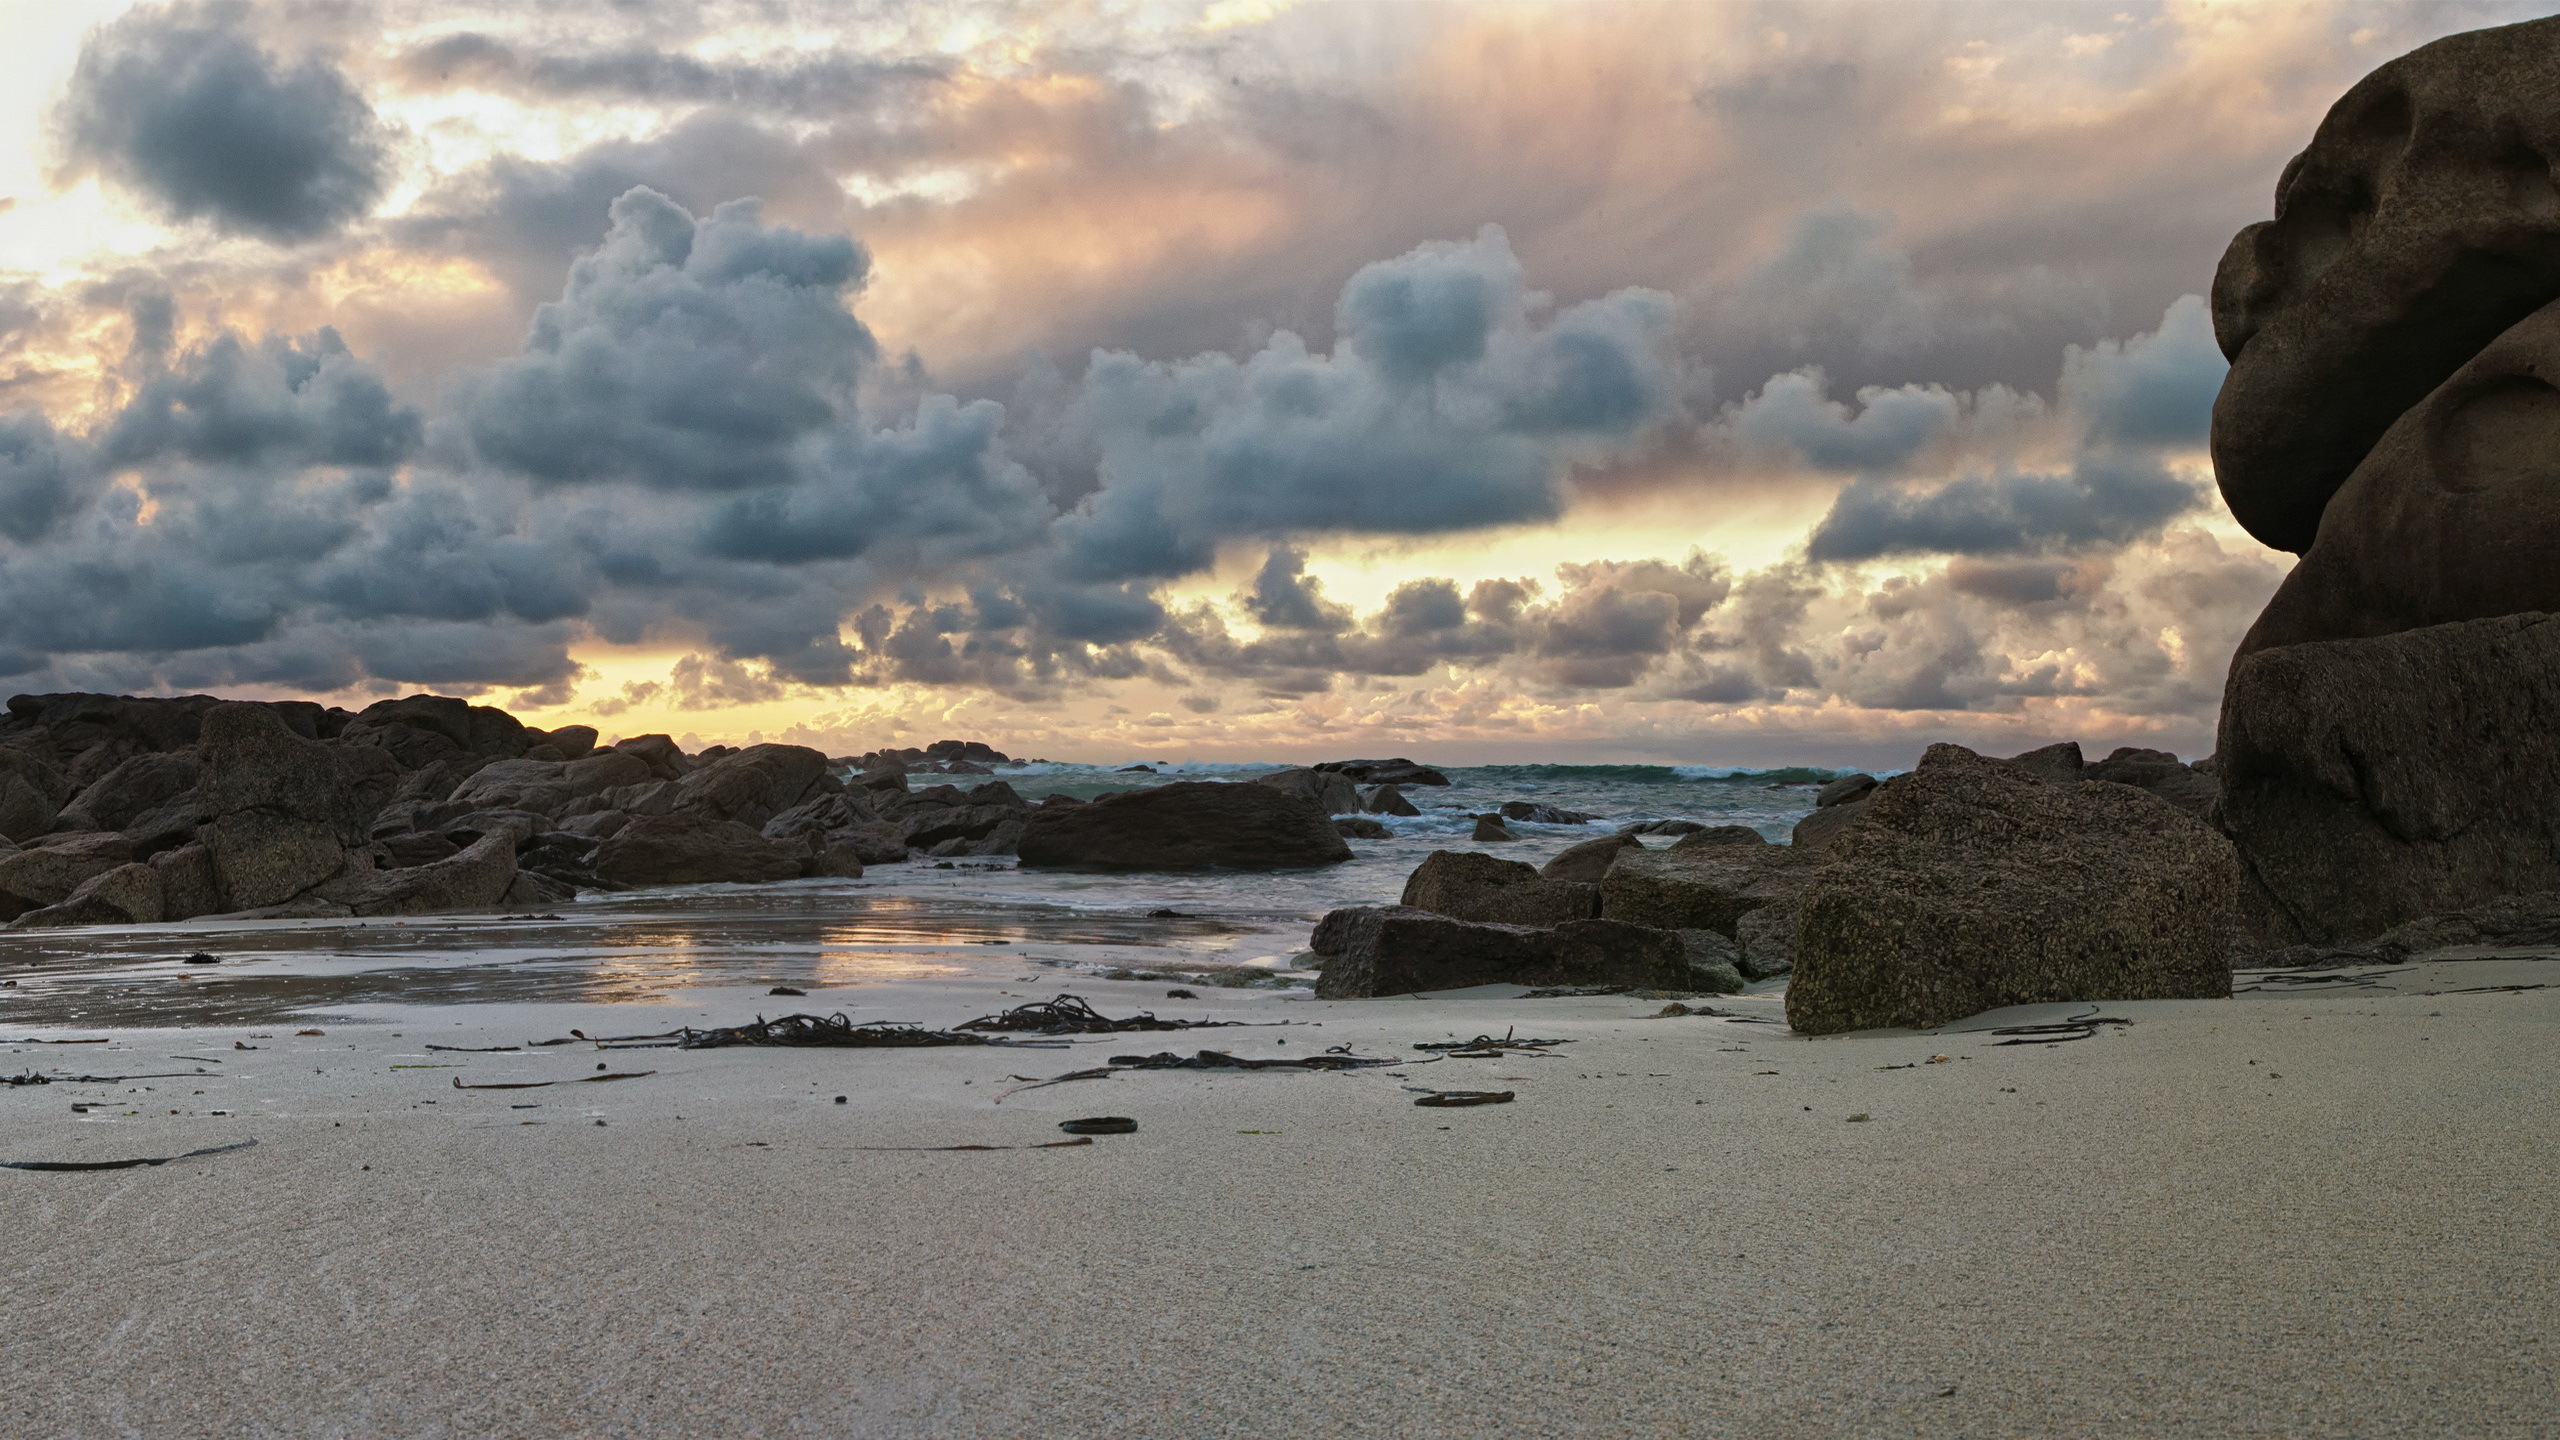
712, 945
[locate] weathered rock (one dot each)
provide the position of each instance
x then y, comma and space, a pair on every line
1360, 827
1543, 814
1705, 889
1466, 885
129, 791
44, 875
248, 760
187, 885
1189, 825
1765, 939
574, 742
1489, 828
126, 895
438, 732
1388, 800
417, 849
929, 826
1816, 831
1386, 772
1005, 839
2455, 515
1973, 884
529, 891
1713, 962
659, 753
2416, 228
1844, 790
1662, 827
1332, 789
820, 815
1719, 835
261, 858
2159, 772
31, 794
1590, 860
2371, 782
1392, 950
2058, 764
475, 879
753, 785
687, 848
876, 842
598, 826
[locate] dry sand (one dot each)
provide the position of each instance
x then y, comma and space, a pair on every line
2290, 1213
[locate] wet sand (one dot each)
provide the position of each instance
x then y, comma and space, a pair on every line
2314, 1209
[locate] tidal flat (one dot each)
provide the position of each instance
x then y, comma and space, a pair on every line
2319, 1207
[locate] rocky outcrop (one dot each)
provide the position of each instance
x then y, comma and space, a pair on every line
1704, 889
133, 789
1719, 835
42, 875
1973, 883
1589, 860
1465, 885
1714, 962
1536, 814
1764, 940
2416, 227
1386, 772
1332, 789
1393, 950
2454, 515
125, 895
1490, 830
1360, 827
1843, 790
2371, 782
1189, 825
2161, 773
1816, 831
474, 878
690, 848
1388, 800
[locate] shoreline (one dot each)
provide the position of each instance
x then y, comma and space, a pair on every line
2136, 1233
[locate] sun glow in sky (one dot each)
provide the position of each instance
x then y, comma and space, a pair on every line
1704, 384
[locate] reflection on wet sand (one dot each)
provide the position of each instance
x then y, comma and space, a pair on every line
622, 950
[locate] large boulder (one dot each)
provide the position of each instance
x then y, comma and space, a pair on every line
1972, 884
2161, 773
261, 858
1386, 772
129, 791
187, 884
1393, 950
42, 875
1467, 885
1590, 860
1335, 791
1704, 889
1189, 825
690, 848
31, 793
753, 785
2454, 515
2371, 782
248, 760
1816, 831
477, 878
1388, 800
2416, 227
126, 895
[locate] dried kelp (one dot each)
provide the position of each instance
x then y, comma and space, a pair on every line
1487, 1046
538, 1084
61, 1165
2058, 1032
1046, 1145
35, 1078
1338, 1057
826, 1030
1454, 1098
1071, 1015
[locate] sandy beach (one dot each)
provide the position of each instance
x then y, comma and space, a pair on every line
2317, 1208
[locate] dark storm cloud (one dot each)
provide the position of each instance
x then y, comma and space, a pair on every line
684, 354
39, 483
298, 401
1284, 597
1447, 406
2101, 501
183, 106
2154, 389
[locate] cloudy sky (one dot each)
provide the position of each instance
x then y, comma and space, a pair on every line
1701, 383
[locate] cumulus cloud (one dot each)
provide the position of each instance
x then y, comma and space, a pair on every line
184, 107
2102, 500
